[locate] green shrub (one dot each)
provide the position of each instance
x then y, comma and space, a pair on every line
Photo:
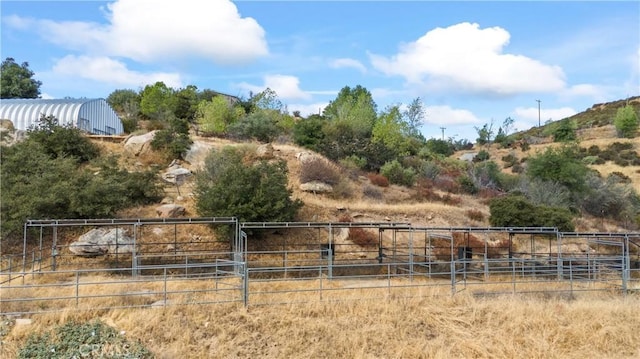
562, 165
397, 174
174, 140
261, 126
232, 183
482, 156
517, 211
565, 131
82, 340
467, 185
62, 141
509, 160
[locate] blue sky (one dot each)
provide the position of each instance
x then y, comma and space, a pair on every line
470, 62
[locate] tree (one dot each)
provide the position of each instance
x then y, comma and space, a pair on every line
485, 133
158, 102
354, 108
308, 132
16, 81
391, 129
232, 183
626, 122
216, 115
127, 104
267, 100
186, 100
413, 117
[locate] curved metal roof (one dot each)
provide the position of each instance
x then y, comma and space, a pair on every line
92, 115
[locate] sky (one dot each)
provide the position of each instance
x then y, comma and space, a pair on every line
470, 62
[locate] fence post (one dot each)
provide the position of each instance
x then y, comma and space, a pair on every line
245, 287
77, 288
165, 287
453, 276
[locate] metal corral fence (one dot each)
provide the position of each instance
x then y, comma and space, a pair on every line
175, 262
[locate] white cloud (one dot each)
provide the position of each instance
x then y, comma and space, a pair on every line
308, 109
348, 63
109, 71
596, 93
529, 115
150, 30
466, 58
286, 87
445, 115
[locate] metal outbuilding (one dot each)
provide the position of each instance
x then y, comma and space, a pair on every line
91, 115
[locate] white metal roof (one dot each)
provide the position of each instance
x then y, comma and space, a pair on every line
91, 115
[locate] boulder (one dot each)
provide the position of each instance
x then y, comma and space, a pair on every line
265, 151
176, 175
101, 241
197, 153
305, 156
139, 144
170, 210
316, 187
468, 156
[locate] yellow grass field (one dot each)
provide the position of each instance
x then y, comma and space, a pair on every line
462, 326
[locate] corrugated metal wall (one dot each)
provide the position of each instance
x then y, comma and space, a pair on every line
92, 115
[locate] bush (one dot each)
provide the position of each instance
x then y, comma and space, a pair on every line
516, 211
509, 160
232, 183
260, 125
565, 131
397, 174
308, 132
35, 186
360, 236
482, 156
82, 340
378, 180
372, 192
430, 170
173, 141
561, 165
611, 198
467, 185
62, 141
475, 214
319, 169
342, 190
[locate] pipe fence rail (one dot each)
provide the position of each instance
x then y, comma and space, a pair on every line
168, 267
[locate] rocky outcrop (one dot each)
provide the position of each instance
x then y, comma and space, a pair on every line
101, 241
176, 174
265, 151
139, 144
316, 187
170, 210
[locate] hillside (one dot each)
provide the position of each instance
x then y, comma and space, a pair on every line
398, 203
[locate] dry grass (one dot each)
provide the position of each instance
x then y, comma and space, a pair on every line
393, 327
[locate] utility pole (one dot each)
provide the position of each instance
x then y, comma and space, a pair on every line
443, 128
538, 113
